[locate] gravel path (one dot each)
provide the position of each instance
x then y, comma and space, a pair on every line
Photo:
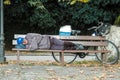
52, 72
55, 72
43, 58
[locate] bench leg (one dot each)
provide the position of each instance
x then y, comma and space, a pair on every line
103, 57
18, 56
62, 58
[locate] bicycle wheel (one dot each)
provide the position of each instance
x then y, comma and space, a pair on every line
112, 57
68, 57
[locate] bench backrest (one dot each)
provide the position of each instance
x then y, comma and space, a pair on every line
84, 40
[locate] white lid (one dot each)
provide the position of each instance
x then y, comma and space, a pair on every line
66, 28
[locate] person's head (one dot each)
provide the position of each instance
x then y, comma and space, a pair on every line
21, 40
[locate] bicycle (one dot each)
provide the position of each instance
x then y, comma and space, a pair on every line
71, 57
101, 30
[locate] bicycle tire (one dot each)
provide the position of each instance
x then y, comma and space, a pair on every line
67, 58
112, 57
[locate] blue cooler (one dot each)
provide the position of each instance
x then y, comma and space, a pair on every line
65, 30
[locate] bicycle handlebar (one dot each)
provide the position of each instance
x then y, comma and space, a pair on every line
100, 24
102, 29
94, 27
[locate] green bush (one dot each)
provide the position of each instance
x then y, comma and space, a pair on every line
117, 21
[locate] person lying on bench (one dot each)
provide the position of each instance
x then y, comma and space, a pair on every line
33, 41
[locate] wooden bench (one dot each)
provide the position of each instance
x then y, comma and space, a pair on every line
84, 40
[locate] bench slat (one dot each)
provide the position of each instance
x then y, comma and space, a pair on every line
91, 43
69, 37
82, 37
85, 43
67, 51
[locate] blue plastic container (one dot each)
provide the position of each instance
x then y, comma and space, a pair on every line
65, 30
64, 33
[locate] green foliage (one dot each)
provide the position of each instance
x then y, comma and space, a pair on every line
36, 3
7, 2
72, 2
87, 14
46, 16
117, 21
40, 16
30, 13
57, 13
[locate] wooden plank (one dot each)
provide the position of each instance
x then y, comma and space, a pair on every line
65, 51
19, 35
84, 43
68, 37
82, 38
91, 43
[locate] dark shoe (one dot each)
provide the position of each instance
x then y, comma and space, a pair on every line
79, 47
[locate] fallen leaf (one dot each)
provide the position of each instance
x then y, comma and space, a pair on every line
111, 76
96, 78
82, 71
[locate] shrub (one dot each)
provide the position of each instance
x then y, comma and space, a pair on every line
117, 21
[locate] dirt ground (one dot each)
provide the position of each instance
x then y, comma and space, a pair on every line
48, 70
